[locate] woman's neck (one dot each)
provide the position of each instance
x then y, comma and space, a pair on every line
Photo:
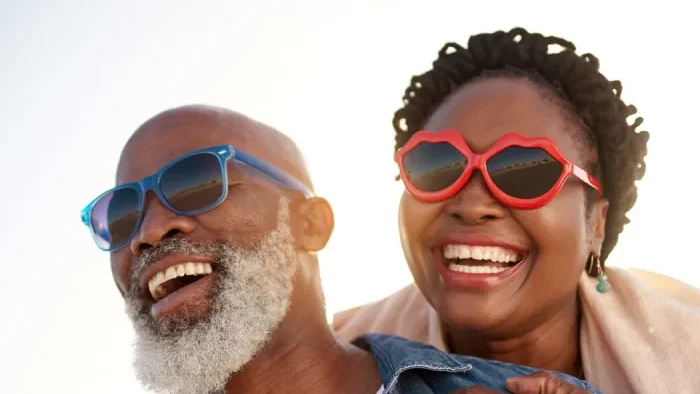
553, 344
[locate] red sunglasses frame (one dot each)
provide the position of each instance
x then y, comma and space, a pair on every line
478, 162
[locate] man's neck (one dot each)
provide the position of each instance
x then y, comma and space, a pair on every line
308, 360
552, 345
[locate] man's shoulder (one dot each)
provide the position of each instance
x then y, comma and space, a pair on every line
401, 352
398, 358
387, 315
420, 368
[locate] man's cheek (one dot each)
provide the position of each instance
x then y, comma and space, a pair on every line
243, 220
121, 269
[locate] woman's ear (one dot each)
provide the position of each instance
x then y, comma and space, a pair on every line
596, 222
315, 224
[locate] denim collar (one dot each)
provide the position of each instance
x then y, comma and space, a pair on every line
395, 356
410, 367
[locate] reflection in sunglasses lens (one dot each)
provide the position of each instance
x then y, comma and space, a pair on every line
115, 216
193, 183
524, 173
433, 167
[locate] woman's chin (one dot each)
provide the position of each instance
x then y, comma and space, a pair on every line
474, 312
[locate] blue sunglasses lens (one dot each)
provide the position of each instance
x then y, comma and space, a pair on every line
192, 184
115, 216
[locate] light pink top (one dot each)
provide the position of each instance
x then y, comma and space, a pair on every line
642, 337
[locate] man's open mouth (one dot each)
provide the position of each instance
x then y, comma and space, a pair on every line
470, 259
176, 277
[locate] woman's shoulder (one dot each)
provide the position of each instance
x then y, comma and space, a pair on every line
386, 316
642, 328
659, 285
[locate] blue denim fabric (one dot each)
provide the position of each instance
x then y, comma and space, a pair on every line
415, 368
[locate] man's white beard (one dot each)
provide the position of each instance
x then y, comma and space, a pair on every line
251, 297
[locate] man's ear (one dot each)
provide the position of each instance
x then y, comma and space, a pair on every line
315, 224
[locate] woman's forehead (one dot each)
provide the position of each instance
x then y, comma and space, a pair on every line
483, 111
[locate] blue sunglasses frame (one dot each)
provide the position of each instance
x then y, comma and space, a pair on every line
223, 153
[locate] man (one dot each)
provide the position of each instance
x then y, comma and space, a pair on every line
213, 230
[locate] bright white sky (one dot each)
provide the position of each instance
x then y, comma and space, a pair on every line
77, 77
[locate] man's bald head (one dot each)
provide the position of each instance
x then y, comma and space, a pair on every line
193, 127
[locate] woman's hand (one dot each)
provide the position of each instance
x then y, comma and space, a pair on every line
538, 383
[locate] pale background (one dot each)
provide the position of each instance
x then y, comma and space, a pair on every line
77, 77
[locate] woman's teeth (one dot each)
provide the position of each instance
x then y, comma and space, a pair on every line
479, 259
184, 269
476, 269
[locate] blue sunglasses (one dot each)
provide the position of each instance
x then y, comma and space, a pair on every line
189, 185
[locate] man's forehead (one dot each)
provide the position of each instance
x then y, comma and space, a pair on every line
174, 133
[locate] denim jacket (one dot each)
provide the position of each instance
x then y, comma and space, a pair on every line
415, 368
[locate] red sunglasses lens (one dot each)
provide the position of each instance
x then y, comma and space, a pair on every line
524, 173
432, 167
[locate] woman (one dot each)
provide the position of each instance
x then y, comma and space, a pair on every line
515, 196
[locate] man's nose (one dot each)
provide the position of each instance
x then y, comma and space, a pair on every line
474, 204
158, 224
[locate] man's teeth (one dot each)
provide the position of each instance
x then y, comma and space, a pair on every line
154, 285
486, 253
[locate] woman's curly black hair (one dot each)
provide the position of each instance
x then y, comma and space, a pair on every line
552, 63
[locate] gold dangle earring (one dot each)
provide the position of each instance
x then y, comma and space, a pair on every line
595, 268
